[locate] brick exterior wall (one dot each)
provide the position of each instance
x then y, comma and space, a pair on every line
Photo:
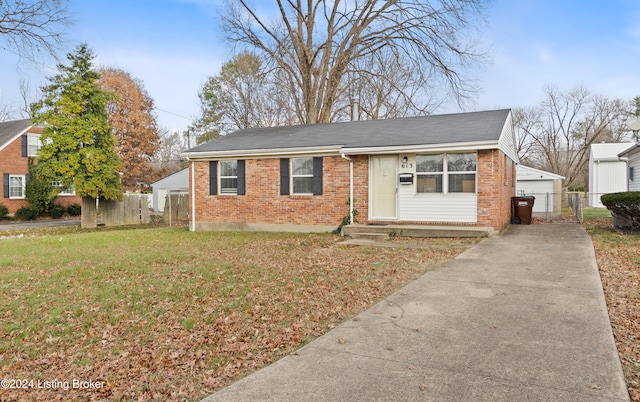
496, 186
263, 203
12, 162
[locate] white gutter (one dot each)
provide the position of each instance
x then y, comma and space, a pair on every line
350, 186
193, 196
339, 149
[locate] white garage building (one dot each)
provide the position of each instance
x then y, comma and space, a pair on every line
607, 173
545, 186
178, 181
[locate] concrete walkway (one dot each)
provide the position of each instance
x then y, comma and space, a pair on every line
519, 317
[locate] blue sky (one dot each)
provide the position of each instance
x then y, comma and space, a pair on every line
174, 45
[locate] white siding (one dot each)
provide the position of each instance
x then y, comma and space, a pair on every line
608, 177
506, 143
607, 174
634, 161
436, 207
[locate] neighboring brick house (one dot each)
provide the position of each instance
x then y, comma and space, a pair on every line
454, 169
19, 141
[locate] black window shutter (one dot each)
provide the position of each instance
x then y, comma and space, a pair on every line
213, 178
317, 175
284, 176
25, 146
6, 184
241, 178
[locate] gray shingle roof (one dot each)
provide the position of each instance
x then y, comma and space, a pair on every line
10, 129
434, 129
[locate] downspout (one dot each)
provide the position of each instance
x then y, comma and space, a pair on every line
193, 196
350, 186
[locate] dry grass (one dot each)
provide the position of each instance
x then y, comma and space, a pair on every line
166, 314
618, 257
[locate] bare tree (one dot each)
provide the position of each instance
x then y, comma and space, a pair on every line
557, 135
315, 43
243, 95
389, 89
527, 122
28, 27
25, 95
167, 159
5, 112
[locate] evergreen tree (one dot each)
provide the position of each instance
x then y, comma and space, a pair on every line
78, 146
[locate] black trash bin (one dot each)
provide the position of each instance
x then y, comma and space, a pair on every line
521, 209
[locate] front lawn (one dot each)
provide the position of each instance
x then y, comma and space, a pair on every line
166, 314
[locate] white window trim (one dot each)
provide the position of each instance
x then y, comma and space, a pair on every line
291, 176
445, 174
441, 173
474, 172
33, 140
220, 177
24, 186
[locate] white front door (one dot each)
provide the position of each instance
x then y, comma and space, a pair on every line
384, 185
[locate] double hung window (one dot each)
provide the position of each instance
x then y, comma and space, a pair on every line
461, 170
33, 144
302, 175
429, 173
229, 177
446, 173
17, 184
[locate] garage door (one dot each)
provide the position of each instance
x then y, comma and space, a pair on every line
538, 189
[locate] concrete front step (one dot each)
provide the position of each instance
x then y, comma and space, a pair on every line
417, 230
370, 236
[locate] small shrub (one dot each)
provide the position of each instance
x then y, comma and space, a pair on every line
626, 204
27, 213
74, 209
56, 211
4, 211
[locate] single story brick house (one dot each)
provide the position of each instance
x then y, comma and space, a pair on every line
19, 141
451, 169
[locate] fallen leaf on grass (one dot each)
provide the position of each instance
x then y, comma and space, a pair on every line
341, 340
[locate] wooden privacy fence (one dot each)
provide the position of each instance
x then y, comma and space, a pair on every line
176, 207
132, 210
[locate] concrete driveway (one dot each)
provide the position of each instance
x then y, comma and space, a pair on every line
518, 317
